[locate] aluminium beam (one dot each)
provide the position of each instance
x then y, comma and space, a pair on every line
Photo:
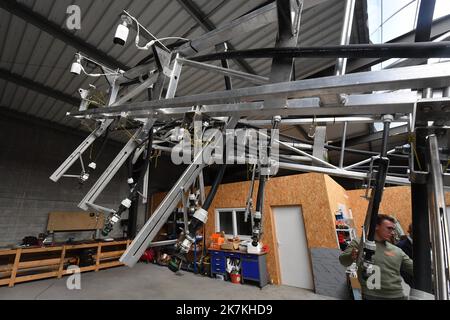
319, 151
289, 14
136, 91
314, 157
55, 30
249, 22
196, 13
112, 169
105, 124
139, 135
62, 169
366, 104
421, 195
436, 75
228, 72
159, 217
341, 65
365, 161
319, 121
397, 131
439, 227
340, 173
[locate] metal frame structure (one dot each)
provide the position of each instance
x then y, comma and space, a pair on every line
363, 97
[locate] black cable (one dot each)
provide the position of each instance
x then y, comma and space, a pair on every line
214, 187
385, 50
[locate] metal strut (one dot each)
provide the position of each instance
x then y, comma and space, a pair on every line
135, 187
369, 245
170, 202
264, 173
439, 224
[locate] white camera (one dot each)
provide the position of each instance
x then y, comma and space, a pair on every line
76, 67
122, 31
121, 34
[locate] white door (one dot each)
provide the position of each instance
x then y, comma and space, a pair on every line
293, 251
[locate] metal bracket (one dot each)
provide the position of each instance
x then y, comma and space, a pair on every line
433, 109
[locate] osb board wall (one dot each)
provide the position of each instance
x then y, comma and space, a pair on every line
336, 195
306, 190
396, 202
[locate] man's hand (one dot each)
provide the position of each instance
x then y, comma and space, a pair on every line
355, 253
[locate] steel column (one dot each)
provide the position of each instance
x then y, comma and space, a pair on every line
438, 222
341, 65
419, 196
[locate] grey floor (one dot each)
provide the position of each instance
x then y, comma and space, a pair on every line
149, 281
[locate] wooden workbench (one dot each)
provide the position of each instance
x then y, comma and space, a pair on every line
50, 261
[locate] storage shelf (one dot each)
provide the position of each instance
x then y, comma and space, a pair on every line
46, 266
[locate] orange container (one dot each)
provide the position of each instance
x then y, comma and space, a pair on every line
235, 278
217, 240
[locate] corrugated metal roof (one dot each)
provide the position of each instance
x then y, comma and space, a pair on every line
34, 54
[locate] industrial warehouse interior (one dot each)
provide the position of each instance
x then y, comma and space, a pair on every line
199, 150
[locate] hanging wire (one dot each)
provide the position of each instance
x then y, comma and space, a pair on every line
149, 44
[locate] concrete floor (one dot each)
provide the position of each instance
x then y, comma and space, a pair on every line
149, 281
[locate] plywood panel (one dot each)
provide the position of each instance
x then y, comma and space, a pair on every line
69, 221
396, 202
358, 205
337, 196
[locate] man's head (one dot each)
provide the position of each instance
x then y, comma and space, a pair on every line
385, 227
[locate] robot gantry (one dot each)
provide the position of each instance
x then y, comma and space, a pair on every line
208, 128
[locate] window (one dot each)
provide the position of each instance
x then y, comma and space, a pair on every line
232, 222
389, 19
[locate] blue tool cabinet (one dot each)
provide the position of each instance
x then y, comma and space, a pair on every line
253, 266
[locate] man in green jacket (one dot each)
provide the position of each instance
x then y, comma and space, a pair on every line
386, 281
